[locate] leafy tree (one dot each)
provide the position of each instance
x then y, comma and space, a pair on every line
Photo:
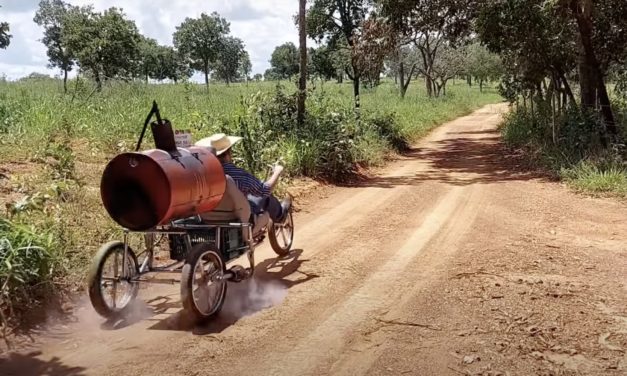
284, 61
200, 39
230, 58
450, 62
338, 22
105, 44
271, 75
403, 63
5, 37
173, 65
430, 24
149, 62
52, 16
257, 77
322, 64
482, 65
550, 39
246, 67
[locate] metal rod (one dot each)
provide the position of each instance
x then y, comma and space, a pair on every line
153, 110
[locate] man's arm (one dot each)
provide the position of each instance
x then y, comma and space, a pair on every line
246, 182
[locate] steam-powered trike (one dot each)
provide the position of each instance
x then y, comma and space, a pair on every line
183, 195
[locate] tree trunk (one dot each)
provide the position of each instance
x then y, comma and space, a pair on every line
481, 85
65, 81
302, 86
593, 90
401, 75
469, 80
356, 95
206, 71
430, 86
98, 81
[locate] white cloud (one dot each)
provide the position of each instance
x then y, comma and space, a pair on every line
262, 25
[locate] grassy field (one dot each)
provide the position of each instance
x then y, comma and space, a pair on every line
54, 146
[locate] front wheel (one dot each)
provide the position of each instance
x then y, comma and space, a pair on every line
112, 287
281, 235
203, 287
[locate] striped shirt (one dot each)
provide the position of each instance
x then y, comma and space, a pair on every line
246, 182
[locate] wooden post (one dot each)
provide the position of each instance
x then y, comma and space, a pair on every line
302, 86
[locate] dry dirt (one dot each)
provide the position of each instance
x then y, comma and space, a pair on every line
455, 261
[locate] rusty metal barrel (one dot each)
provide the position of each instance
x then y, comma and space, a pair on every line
141, 190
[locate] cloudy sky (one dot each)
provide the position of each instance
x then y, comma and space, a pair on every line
261, 24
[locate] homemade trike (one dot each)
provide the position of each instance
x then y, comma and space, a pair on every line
201, 247
179, 194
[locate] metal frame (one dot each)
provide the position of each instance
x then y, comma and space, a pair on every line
146, 266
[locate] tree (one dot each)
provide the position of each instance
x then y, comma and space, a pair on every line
538, 40
482, 65
284, 61
105, 44
271, 75
450, 62
429, 24
403, 64
257, 77
52, 16
338, 22
229, 61
246, 67
322, 64
149, 64
200, 39
5, 37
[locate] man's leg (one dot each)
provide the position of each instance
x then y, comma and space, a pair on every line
274, 208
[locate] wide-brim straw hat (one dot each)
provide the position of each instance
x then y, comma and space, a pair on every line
220, 142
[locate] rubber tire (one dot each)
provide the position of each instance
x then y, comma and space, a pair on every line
275, 244
93, 280
187, 275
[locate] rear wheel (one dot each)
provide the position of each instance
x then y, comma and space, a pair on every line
203, 287
281, 235
112, 288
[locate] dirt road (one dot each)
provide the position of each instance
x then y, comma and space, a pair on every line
455, 261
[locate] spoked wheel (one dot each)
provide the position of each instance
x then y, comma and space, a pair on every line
203, 288
111, 286
281, 235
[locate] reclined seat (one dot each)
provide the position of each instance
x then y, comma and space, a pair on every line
234, 207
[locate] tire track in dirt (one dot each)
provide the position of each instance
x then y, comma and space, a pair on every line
376, 292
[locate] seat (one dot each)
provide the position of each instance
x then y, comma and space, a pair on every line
234, 207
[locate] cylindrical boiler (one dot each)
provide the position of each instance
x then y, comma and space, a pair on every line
147, 189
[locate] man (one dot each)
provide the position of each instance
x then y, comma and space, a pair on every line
259, 193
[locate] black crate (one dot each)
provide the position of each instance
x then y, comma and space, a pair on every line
178, 250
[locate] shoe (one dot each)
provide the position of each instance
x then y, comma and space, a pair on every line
286, 205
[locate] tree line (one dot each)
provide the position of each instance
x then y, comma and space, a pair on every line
106, 45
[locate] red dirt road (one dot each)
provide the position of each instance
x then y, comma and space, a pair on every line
454, 262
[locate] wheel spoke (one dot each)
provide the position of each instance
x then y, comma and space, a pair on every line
283, 236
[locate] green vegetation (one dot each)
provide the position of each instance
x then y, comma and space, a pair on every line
571, 147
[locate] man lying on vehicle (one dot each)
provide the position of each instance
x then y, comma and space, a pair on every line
259, 193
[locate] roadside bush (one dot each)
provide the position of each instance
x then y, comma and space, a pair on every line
329, 144
571, 147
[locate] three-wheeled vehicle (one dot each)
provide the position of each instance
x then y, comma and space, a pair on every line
182, 195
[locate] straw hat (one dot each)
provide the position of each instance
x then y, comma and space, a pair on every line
219, 141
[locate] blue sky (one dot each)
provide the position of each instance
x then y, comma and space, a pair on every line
261, 24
